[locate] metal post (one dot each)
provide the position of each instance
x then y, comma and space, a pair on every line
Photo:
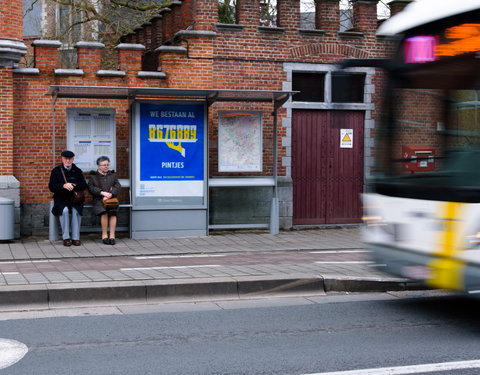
274, 210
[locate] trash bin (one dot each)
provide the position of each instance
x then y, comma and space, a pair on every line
7, 219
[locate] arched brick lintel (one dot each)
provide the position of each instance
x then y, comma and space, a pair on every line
329, 49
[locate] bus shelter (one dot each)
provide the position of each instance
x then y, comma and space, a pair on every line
176, 204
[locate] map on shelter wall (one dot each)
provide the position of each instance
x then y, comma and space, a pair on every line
240, 142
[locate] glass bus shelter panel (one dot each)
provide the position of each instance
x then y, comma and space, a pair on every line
419, 117
249, 206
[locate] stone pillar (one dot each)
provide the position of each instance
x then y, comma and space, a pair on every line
327, 16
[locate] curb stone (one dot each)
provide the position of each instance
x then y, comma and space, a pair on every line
31, 297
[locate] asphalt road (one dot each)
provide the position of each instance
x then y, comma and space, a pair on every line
312, 335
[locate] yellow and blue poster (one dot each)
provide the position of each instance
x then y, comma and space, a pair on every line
171, 149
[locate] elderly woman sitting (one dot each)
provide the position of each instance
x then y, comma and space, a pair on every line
103, 184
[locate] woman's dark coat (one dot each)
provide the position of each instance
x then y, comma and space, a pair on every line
61, 196
99, 182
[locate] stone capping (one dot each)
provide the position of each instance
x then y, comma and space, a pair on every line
399, 2
270, 30
350, 34
13, 46
176, 3
365, 1
389, 38
47, 43
171, 49
195, 34
146, 74
91, 45
131, 46
111, 73
164, 10
311, 32
68, 72
32, 71
11, 51
229, 27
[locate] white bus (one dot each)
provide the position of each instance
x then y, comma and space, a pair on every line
422, 203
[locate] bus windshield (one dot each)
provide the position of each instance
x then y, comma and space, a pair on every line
430, 136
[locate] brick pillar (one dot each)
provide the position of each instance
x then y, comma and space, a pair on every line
177, 16
187, 13
288, 14
397, 6
147, 28
130, 59
206, 14
46, 54
6, 121
12, 49
157, 28
139, 35
167, 23
327, 16
365, 16
89, 56
248, 13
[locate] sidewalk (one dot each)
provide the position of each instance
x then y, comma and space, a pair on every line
39, 274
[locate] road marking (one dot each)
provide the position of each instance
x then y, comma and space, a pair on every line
180, 256
415, 369
10, 273
11, 352
348, 262
31, 261
166, 268
339, 251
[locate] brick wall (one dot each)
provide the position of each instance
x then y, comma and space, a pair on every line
204, 56
6, 121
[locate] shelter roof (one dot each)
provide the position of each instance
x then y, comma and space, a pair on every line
111, 92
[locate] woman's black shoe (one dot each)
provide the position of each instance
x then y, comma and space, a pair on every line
106, 241
112, 241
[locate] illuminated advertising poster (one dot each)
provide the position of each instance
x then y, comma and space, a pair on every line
171, 151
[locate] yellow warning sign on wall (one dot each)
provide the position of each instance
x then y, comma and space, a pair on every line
346, 138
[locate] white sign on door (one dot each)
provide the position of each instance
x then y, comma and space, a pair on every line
346, 138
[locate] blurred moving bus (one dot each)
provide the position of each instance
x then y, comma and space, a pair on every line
422, 205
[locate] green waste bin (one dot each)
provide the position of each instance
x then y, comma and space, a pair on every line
7, 219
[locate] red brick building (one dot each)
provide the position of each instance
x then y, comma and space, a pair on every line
185, 47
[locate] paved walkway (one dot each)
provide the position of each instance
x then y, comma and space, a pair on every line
232, 264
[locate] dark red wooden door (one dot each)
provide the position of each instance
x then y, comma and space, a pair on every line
327, 178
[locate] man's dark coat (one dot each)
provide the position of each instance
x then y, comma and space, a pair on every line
61, 196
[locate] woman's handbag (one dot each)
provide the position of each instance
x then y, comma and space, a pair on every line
77, 197
110, 204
